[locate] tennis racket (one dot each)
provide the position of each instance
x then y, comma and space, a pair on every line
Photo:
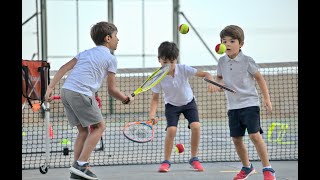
140, 132
219, 85
153, 79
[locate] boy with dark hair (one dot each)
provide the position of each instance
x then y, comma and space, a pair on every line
178, 99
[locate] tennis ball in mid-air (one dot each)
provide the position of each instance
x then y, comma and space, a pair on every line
221, 48
184, 28
179, 148
24, 133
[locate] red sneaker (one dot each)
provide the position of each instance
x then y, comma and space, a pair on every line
196, 165
165, 166
269, 174
244, 173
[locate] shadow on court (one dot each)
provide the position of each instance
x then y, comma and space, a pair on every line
285, 170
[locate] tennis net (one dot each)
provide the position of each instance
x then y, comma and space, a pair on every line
280, 127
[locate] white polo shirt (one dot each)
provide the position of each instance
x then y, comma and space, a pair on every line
91, 69
238, 74
177, 90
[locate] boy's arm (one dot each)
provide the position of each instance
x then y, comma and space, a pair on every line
153, 106
61, 72
211, 88
264, 89
114, 91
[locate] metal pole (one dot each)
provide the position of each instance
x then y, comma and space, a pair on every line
175, 4
110, 11
110, 15
37, 18
44, 44
143, 43
110, 19
77, 22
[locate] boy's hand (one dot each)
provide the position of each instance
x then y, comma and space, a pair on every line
268, 105
48, 95
128, 100
155, 120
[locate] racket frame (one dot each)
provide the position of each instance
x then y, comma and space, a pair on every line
146, 123
142, 89
219, 85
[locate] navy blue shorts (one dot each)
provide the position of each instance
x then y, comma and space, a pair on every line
190, 112
244, 119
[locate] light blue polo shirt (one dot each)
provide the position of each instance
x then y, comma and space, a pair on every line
91, 69
177, 90
238, 74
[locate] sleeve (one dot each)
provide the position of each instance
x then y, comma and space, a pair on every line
112, 65
252, 66
78, 56
189, 71
156, 88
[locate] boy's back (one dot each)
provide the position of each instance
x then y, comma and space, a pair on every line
90, 70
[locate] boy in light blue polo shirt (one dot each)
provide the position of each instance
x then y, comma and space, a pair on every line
240, 72
178, 98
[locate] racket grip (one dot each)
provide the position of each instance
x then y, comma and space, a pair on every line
126, 101
56, 97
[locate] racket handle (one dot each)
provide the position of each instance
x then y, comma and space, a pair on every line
133, 95
56, 97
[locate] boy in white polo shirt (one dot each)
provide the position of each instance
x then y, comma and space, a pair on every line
240, 72
179, 99
88, 71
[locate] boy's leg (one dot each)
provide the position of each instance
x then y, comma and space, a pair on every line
168, 144
81, 138
91, 141
195, 138
261, 148
241, 150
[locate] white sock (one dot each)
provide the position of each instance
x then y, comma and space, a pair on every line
267, 167
81, 163
249, 165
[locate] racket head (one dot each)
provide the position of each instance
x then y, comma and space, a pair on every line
154, 79
140, 132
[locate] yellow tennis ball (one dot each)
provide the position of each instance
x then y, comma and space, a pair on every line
220, 48
24, 133
183, 28
179, 148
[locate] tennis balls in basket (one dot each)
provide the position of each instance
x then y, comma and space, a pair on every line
220, 48
183, 28
179, 148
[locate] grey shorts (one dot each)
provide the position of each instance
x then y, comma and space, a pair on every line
80, 108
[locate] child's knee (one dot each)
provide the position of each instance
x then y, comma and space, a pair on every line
195, 126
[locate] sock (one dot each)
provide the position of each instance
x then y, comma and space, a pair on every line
267, 167
81, 163
248, 166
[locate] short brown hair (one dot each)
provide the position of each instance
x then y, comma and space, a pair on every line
168, 50
233, 31
100, 30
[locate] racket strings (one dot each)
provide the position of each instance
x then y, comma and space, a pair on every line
161, 73
140, 132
